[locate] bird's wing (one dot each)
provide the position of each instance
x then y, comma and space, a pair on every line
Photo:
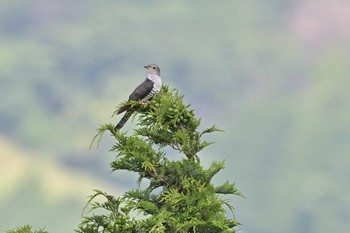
139, 93
142, 90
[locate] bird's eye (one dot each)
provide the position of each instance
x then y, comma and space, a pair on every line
154, 67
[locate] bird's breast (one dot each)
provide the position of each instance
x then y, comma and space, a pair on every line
157, 82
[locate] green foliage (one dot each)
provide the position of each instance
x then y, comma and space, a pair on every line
25, 229
180, 196
284, 103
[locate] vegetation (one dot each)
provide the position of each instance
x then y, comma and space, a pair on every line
179, 195
25, 229
275, 74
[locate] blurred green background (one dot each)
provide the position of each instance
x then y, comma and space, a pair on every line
273, 74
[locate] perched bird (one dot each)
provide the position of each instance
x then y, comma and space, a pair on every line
144, 92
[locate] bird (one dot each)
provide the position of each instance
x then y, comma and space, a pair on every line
143, 92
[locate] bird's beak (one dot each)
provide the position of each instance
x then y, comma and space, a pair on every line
146, 67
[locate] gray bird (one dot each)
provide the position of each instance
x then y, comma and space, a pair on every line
144, 92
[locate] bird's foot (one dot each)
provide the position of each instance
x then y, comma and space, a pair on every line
143, 105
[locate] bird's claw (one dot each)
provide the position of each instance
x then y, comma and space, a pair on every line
143, 105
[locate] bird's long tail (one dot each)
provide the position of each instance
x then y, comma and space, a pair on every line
125, 118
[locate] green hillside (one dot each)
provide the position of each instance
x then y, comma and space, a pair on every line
272, 74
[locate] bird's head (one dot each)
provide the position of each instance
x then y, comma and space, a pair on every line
152, 69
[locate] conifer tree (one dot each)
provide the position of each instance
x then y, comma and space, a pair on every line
179, 196
26, 229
